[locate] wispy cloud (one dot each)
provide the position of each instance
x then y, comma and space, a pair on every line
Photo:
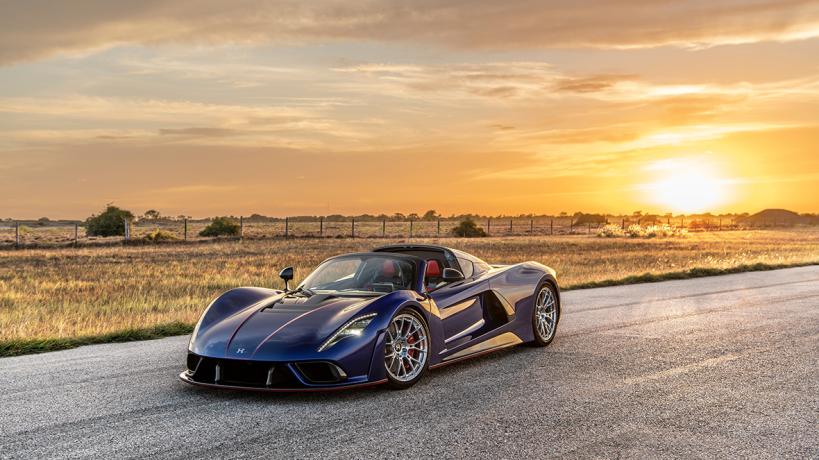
40, 28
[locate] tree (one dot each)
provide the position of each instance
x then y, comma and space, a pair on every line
110, 222
221, 226
151, 214
468, 229
430, 215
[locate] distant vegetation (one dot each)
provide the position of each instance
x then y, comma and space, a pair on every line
586, 219
777, 216
221, 226
468, 229
108, 227
159, 235
110, 222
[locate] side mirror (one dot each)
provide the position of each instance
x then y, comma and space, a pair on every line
450, 275
287, 275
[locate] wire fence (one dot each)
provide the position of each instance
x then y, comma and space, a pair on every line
21, 234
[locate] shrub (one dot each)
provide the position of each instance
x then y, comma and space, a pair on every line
110, 222
611, 231
159, 235
658, 230
468, 229
635, 231
221, 226
638, 231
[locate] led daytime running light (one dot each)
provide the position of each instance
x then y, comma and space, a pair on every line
331, 341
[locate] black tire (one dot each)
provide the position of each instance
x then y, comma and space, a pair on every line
539, 339
397, 383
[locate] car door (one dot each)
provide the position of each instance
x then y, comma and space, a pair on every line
461, 309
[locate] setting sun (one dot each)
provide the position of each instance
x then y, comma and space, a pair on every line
686, 185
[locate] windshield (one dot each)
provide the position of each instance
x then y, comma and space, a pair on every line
361, 273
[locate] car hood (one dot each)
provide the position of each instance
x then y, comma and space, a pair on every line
279, 325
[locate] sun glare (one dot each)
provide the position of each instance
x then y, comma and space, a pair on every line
686, 186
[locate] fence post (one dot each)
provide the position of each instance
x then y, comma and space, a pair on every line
286, 228
488, 224
510, 225
241, 228
410, 228
439, 228
682, 222
551, 226
127, 229
623, 224
571, 226
76, 234
589, 228
353, 228
383, 227
185, 229
532, 226
719, 229
321, 226
16, 234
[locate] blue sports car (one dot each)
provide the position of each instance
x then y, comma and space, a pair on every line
380, 317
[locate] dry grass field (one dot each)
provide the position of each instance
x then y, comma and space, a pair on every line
50, 297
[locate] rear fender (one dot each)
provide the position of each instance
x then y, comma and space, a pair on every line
518, 284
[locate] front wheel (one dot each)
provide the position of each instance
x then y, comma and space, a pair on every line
545, 315
406, 350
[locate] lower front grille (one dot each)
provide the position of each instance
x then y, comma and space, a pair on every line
254, 374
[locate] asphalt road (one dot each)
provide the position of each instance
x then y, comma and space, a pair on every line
713, 367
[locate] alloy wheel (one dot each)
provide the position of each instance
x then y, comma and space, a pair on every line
546, 313
407, 347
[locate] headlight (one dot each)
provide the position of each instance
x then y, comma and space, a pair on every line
352, 328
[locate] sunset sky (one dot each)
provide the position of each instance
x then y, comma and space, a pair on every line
296, 107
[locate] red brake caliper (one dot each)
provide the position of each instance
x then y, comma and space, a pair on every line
412, 351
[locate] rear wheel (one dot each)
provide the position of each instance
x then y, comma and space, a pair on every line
545, 315
406, 350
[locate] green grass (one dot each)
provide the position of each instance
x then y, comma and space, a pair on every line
685, 274
30, 346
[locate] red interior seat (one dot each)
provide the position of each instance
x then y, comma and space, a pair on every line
433, 269
388, 268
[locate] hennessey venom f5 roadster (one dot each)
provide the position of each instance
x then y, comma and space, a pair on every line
384, 316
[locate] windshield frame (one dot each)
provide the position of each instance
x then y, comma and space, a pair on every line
415, 283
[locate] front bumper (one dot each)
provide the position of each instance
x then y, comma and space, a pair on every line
269, 376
